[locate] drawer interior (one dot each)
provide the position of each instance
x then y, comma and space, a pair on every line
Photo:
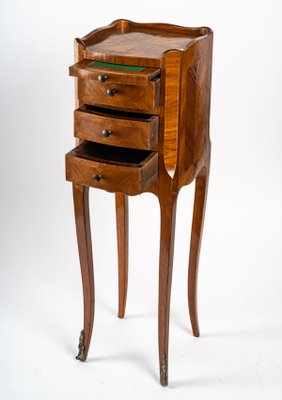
116, 113
138, 75
120, 67
113, 155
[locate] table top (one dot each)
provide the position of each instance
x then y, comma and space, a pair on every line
140, 40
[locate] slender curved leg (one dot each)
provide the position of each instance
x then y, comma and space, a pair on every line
81, 209
168, 213
122, 239
201, 187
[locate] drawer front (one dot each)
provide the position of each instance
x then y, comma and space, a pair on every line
120, 96
115, 130
114, 73
131, 180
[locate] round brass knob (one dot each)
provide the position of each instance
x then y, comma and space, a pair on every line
97, 177
102, 78
106, 132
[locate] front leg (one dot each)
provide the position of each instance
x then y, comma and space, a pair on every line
81, 209
168, 214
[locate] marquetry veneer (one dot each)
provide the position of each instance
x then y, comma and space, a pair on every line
142, 125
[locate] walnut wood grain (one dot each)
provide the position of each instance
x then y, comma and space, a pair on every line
122, 240
78, 56
193, 136
81, 211
125, 130
171, 66
201, 189
178, 96
134, 43
130, 97
83, 70
129, 178
168, 202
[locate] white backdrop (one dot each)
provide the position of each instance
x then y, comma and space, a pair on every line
240, 291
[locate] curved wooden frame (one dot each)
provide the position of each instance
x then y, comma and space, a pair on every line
184, 155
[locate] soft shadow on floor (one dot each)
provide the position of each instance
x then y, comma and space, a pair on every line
137, 359
182, 324
200, 382
246, 331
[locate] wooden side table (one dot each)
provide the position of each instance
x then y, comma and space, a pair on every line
142, 125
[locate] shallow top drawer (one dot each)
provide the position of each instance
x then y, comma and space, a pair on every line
113, 73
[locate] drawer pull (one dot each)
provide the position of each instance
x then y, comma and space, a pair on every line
111, 92
106, 132
97, 177
102, 78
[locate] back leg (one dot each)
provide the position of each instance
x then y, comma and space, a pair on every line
122, 239
201, 187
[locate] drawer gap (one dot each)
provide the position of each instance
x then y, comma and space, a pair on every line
155, 78
112, 155
115, 113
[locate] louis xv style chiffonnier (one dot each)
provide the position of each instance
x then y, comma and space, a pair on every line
142, 125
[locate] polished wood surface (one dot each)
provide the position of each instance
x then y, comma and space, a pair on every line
171, 66
168, 214
128, 41
163, 111
144, 98
201, 188
81, 209
83, 70
122, 240
130, 178
122, 129
194, 144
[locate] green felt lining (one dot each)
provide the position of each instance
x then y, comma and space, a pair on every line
116, 66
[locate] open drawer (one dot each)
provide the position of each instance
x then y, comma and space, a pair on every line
117, 128
113, 73
116, 87
111, 168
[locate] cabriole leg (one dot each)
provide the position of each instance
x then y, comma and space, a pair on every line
81, 209
201, 187
168, 214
